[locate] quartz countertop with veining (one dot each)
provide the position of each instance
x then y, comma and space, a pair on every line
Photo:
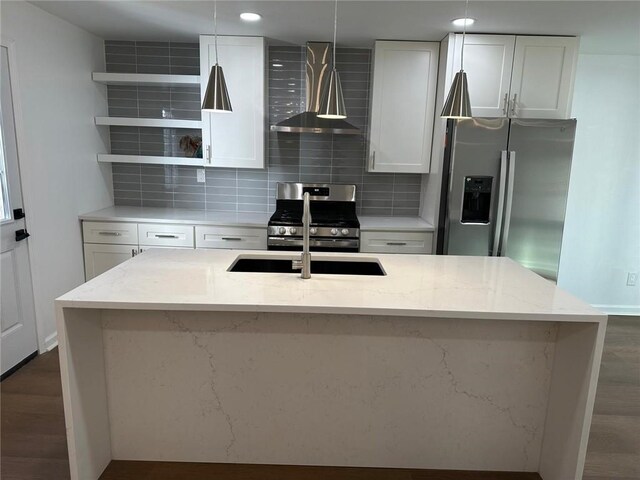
414, 285
122, 213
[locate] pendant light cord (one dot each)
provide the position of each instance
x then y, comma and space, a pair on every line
335, 32
464, 32
215, 28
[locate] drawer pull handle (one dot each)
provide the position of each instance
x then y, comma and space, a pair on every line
111, 234
398, 244
159, 235
232, 239
133, 252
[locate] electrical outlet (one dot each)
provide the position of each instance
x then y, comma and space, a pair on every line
632, 279
200, 175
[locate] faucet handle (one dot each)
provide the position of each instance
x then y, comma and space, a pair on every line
296, 264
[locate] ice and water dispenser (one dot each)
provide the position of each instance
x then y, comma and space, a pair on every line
476, 201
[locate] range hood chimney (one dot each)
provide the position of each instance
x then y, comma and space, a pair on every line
317, 74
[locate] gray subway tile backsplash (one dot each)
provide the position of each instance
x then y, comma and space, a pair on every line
291, 158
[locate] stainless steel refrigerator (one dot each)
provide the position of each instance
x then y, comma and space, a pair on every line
504, 191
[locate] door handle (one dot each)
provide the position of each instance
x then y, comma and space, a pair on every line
508, 203
495, 251
18, 213
513, 107
133, 252
22, 234
505, 108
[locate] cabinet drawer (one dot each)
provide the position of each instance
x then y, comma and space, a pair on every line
232, 237
395, 242
162, 235
110, 232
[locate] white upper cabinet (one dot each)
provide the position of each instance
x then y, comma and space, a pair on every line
488, 61
402, 106
518, 76
235, 139
543, 76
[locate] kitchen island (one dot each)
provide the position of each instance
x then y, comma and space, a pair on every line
445, 362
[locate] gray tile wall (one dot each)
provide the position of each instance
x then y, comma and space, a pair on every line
291, 157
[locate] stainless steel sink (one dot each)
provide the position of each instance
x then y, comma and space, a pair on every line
319, 265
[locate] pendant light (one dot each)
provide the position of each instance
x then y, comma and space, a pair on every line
458, 104
332, 101
216, 96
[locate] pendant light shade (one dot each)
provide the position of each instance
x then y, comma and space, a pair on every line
332, 101
216, 96
458, 104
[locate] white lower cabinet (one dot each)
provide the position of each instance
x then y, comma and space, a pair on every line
395, 242
100, 257
242, 238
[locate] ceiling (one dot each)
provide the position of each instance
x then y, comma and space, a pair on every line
606, 27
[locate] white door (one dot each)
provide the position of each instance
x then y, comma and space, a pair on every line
100, 257
17, 313
402, 107
488, 60
235, 139
543, 76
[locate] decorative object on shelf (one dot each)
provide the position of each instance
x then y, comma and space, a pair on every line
332, 101
458, 104
191, 146
216, 96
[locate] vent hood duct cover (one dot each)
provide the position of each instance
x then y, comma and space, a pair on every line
318, 69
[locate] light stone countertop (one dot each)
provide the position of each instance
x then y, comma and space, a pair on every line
415, 286
121, 213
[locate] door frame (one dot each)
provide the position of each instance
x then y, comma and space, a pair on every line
10, 44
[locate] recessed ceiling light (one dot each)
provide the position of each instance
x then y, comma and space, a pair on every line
250, 17
461, 22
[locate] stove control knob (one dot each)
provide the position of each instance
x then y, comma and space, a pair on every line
334, 231
345, 231
282, 230
313, 230
293, 230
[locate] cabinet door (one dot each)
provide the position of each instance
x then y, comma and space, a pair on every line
402, 107
488, 61
543, 76
235, 139
98, 258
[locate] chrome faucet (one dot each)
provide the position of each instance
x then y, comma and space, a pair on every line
304, 263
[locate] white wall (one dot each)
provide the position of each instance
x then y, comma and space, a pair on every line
601, 241
60, 175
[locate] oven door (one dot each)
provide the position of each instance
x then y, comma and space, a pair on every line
315, 244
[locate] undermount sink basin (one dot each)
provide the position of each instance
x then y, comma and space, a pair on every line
319, 265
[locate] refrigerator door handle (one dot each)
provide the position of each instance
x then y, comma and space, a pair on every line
508, 203
502, 185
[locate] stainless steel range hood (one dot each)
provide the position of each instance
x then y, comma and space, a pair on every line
317, 73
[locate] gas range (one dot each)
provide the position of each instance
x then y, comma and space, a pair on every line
334, 224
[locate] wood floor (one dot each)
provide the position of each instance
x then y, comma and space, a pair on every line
33, 444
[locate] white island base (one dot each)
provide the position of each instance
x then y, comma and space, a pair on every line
150, 376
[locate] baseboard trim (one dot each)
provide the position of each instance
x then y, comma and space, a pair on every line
50, 342
633, 310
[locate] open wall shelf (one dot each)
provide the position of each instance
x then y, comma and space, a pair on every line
146, 79
149, 122
151, 160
